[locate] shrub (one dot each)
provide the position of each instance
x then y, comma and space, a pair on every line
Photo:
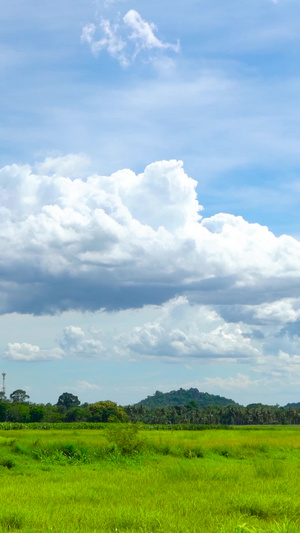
126, 439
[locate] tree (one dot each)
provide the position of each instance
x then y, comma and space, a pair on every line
18, 412
107, 412
76, 414
68, 400
53, 414
37, 413
19, 396
3, 411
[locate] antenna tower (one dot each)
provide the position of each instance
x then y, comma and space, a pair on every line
3, 386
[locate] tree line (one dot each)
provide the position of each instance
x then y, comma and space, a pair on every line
18, 408
232, 414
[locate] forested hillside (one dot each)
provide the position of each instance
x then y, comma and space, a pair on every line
184, 397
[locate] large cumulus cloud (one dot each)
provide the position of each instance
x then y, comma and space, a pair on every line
127, 240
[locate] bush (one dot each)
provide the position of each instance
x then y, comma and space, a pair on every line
126, 439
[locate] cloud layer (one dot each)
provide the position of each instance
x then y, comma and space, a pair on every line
188, 334
128, 240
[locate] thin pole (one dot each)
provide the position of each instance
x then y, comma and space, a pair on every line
3, 387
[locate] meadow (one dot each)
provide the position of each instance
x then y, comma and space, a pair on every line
121, 479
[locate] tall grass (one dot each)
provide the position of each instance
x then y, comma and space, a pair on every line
163, 482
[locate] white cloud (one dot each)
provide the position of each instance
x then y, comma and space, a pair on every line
280, 312
271, 316
27, 352
125, 39
74, 343
282, 367
128, 240
111, 40
183, 331
143, 33
88, 32
71, 165
82, 385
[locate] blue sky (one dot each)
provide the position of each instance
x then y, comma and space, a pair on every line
149, 198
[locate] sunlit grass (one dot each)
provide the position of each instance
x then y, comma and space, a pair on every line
78, 481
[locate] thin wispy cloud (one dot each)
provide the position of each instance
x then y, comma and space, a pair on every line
82, 386
125, 39
142, 33
111, 41
240, 381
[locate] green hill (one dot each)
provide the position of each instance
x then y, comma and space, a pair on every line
184, 397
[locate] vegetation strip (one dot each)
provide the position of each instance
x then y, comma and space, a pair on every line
180, 408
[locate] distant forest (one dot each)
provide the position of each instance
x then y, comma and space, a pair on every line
175, 407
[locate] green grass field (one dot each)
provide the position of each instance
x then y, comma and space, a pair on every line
114, 480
